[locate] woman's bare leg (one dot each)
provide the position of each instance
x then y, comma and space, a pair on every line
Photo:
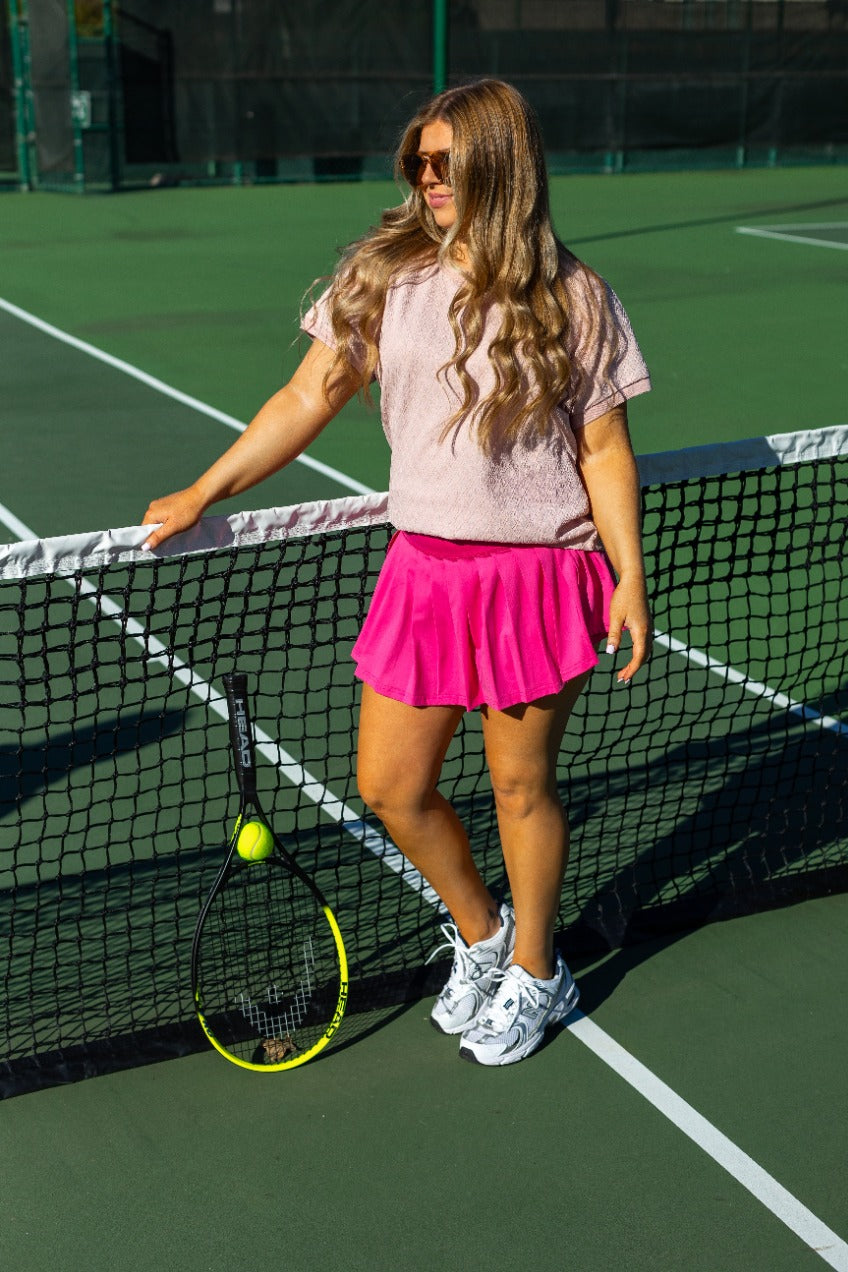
400, 756
522, 745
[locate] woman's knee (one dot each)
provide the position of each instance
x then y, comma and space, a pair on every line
373, 791
519, 793
390, 793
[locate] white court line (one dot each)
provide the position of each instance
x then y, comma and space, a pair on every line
782, 1204
168, 390
764, 1187
803, 225
755, 687
765, 232
16, 526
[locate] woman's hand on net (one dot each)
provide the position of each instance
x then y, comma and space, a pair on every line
172, 514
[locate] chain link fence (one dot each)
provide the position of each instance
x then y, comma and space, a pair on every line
97, 94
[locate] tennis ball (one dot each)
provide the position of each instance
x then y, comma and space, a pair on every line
255, 841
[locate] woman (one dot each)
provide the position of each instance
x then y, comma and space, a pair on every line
505, 366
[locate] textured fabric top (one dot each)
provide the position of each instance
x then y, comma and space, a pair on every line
451, 489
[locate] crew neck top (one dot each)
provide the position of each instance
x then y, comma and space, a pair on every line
450, 487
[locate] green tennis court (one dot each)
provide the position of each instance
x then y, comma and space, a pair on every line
192, 297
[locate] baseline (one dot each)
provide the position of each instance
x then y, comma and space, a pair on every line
786, 233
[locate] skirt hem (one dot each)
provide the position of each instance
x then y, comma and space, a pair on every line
403, 695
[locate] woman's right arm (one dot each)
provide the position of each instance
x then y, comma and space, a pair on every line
281, 431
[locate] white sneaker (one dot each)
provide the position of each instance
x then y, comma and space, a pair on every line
517, 1015
472, 975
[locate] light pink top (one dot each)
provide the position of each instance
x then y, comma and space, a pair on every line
451, 489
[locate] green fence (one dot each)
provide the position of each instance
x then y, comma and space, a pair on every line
97, 94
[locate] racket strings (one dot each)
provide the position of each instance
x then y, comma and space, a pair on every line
268, 973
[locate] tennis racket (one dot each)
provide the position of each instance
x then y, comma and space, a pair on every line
268, 964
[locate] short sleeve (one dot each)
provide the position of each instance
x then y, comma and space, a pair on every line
318, 323
608, 364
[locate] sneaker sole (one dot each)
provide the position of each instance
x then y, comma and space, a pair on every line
531, 1044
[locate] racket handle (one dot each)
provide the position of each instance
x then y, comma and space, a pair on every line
241, 731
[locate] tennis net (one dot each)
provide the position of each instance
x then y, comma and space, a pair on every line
716, 785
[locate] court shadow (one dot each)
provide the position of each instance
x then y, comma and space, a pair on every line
37, 766
773, 833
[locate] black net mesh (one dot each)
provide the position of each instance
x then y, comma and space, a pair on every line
715, 785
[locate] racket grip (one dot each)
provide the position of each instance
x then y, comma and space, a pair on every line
241, 731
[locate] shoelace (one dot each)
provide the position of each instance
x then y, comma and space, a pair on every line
453, 941
498, 1016
465, 967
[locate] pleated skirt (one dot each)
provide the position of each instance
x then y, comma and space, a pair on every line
468, 624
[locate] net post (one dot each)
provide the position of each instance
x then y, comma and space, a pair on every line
112, 95
73, 71
18, 40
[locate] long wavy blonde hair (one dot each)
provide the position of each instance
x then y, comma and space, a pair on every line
511, 257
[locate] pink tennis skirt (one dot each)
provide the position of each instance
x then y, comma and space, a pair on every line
463, 624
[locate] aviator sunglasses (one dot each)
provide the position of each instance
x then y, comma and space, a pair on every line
413, 166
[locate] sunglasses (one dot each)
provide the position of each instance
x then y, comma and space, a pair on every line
413, 166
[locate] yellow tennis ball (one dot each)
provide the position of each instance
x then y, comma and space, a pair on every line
255, 841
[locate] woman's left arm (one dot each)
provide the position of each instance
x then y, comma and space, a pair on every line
608, 467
